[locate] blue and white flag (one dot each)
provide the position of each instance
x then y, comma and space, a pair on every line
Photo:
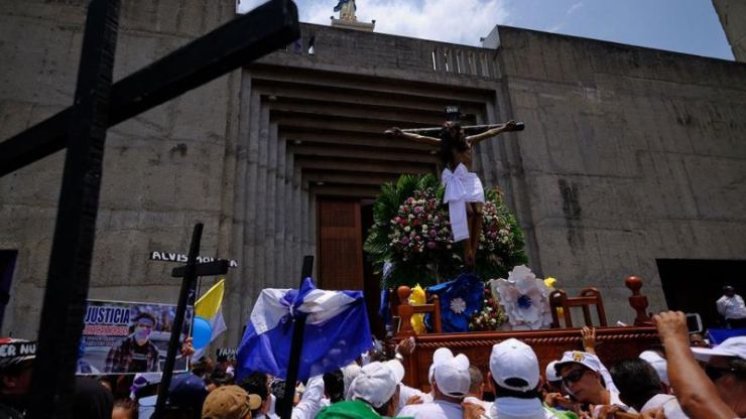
336, 332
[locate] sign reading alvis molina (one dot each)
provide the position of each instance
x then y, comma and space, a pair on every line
182, 258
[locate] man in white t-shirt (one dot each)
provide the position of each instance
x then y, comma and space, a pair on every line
732, 308
450, 381
515, 378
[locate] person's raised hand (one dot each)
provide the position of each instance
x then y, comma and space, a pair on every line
672, 326
589, 339
406, 346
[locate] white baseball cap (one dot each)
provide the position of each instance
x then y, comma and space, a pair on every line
451, 373
731, 347
551, 373
578, 357
376, 383
658, 363
512, 358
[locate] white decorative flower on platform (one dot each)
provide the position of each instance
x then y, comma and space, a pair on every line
525, 299
458, 305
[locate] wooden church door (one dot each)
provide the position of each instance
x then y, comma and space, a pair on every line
340, 245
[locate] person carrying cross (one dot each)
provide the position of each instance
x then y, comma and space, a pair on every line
463, 189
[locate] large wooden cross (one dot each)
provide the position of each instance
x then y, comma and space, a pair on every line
453, 114
189, 273
81, 129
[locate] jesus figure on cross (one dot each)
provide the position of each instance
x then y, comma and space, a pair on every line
463, 189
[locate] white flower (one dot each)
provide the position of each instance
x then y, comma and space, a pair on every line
525, 299
458, 305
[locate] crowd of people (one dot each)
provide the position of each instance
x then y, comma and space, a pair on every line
685, 378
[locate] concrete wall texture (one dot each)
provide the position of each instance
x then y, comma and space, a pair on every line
629, 154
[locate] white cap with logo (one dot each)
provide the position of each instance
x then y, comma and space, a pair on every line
578, 357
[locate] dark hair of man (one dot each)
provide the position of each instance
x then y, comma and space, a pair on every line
256, 383
501, 392
636, 380
448, 143
201, 367
334, 385
221, 378
144, 315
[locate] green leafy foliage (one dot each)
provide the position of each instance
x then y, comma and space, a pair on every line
410, 241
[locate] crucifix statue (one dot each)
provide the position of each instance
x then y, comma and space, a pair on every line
463, 189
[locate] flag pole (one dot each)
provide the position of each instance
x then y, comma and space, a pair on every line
285, 404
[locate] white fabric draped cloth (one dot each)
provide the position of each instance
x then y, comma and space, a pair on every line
461, 187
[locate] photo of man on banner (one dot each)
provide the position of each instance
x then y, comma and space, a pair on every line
136, 353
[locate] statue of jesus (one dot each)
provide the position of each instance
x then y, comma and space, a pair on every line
463, 189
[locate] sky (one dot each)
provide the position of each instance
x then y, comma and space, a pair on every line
687, 26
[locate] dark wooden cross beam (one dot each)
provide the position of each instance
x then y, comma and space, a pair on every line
82, 129
468, 130
189, 272
285, 403
453, 114
239, 42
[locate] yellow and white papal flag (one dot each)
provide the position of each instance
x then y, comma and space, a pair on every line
209, 308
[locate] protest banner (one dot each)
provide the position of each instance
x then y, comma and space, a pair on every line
128, 337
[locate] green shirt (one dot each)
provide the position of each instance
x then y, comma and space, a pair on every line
350, 409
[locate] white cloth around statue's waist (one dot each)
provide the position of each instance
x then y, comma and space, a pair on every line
461, 186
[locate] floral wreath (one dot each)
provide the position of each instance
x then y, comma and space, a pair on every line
411, 242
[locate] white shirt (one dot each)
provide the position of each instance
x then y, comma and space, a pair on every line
309, 404
670, 405
515, 408
438, 409
406, 392
731, 307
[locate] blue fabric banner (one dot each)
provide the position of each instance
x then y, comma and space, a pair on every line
336, 332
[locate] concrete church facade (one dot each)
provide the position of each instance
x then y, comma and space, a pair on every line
630, 156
